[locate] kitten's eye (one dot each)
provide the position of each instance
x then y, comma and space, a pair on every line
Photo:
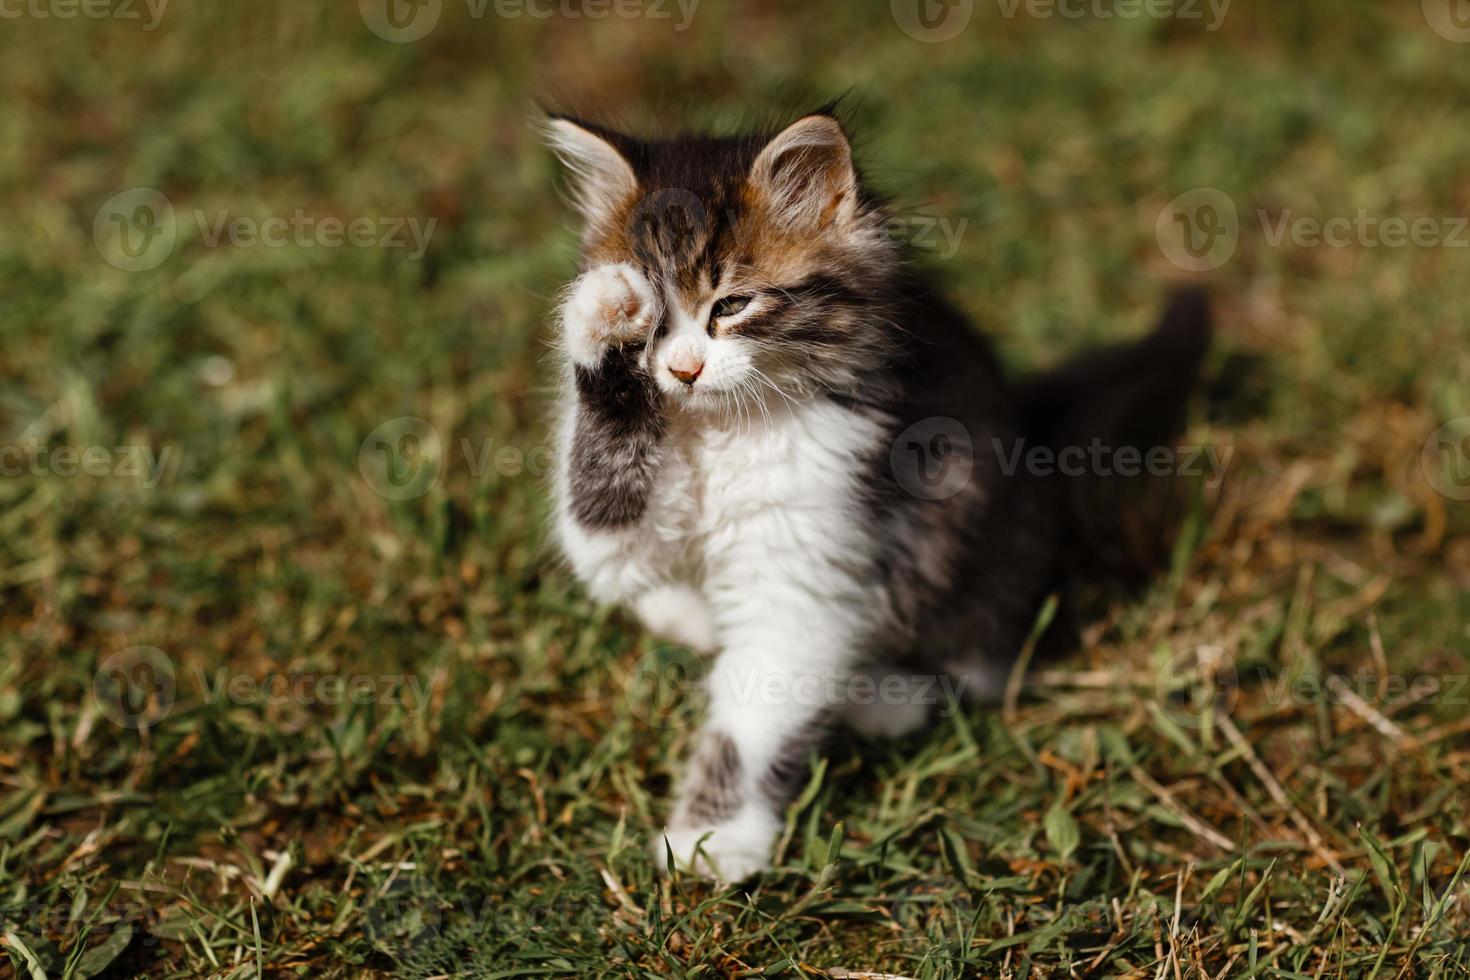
729, 306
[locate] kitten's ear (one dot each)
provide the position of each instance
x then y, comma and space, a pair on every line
806, 173
602, 178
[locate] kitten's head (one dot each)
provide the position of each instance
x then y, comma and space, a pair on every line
770, 258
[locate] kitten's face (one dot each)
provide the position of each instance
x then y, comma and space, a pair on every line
766, 261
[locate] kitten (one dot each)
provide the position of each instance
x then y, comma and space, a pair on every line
781, 448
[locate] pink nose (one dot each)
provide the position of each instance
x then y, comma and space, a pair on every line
688, 371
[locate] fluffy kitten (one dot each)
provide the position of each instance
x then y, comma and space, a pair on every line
781, 448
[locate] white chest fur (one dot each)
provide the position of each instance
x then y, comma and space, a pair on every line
763, 487
767, 495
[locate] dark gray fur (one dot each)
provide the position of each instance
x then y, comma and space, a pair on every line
615, 449
711, 793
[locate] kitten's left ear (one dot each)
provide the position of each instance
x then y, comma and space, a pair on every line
602, 178
806, 173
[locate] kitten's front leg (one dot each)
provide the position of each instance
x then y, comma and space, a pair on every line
611, 431
770, 693
610, 442
618, 421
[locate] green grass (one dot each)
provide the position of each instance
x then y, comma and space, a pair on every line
495, 822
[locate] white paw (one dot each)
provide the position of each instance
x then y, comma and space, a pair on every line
883, 719
678, 613
729, 852
608, 306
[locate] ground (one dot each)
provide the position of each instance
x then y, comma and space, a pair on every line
383, 731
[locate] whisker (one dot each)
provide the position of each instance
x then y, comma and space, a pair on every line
761, 376
760, 403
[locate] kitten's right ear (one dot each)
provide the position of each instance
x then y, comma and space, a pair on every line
602, 178
806, 172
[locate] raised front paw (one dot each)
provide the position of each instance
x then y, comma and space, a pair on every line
608, 306
730, 852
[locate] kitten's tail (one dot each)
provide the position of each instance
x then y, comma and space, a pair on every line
1126, 399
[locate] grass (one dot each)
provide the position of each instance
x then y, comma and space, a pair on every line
481, 807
